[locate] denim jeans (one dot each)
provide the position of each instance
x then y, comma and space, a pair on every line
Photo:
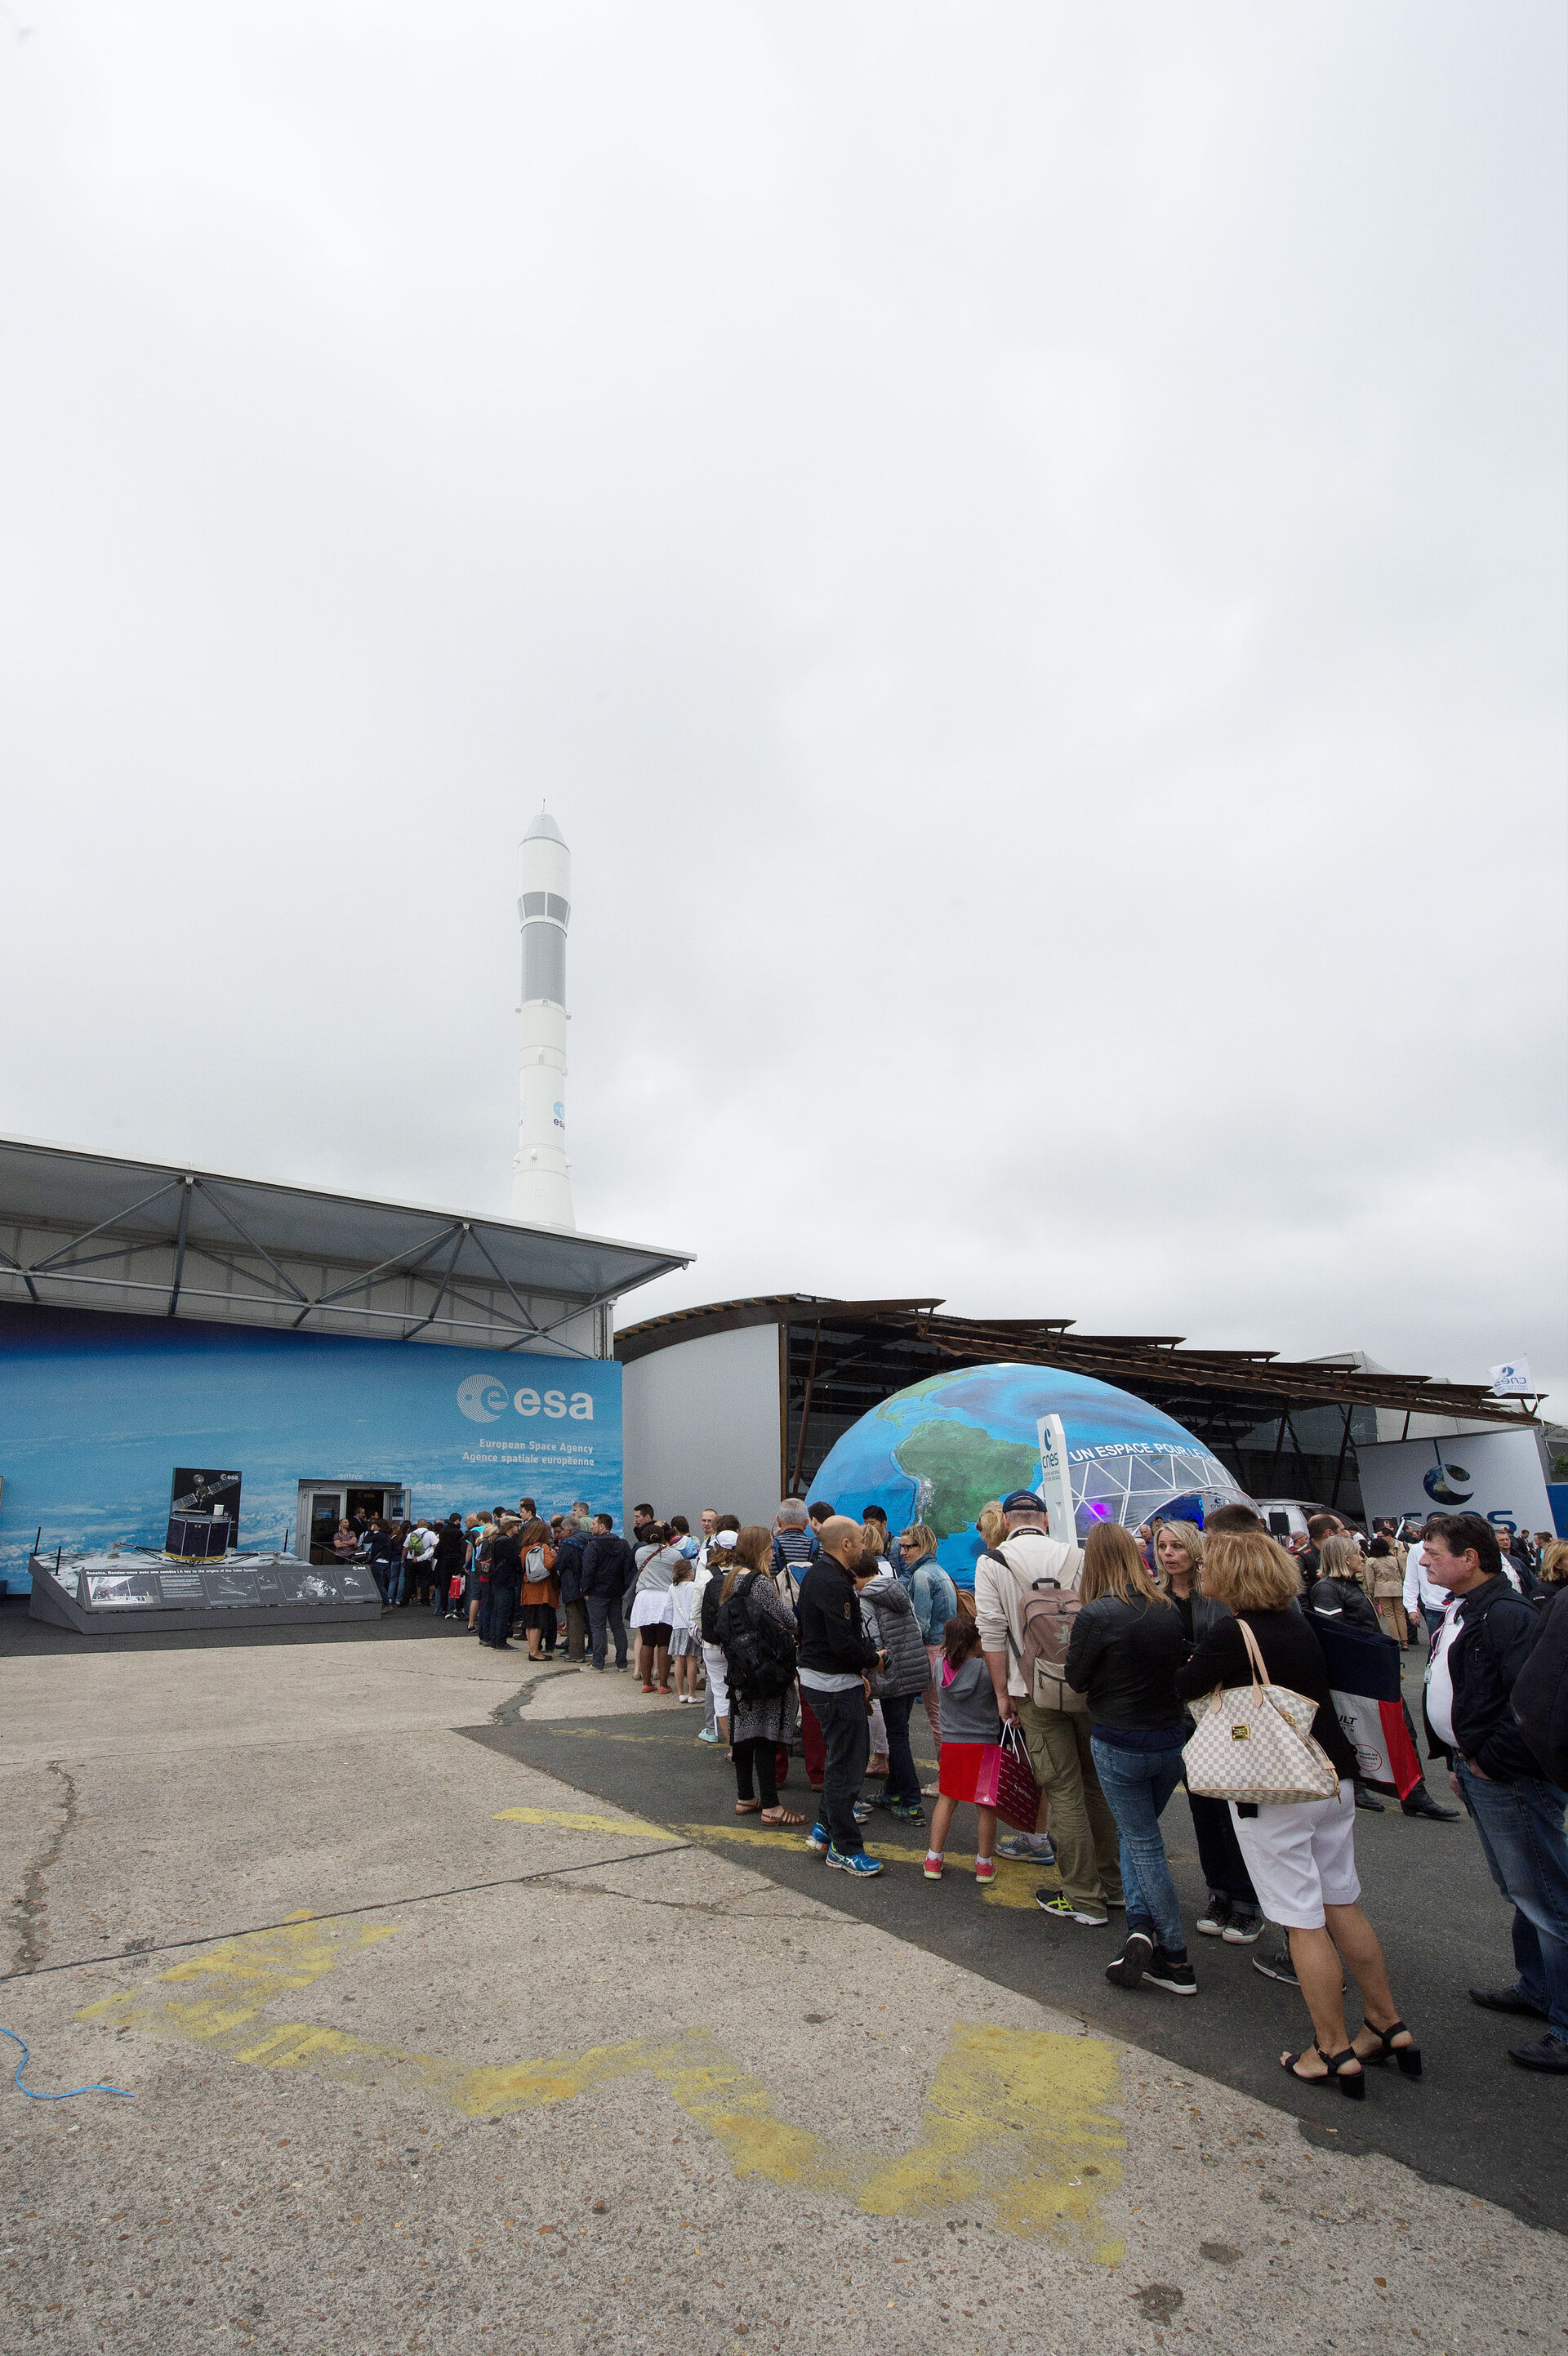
496, 1613
846, 1739
1136, 1784
1522, 1840
903, 1782
605, 1610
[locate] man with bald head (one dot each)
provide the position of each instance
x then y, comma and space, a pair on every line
835, 1655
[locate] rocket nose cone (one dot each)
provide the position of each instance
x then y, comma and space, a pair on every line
544, 829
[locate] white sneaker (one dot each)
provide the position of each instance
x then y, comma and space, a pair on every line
1058, 1902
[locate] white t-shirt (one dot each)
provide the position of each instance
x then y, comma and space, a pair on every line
1439, 1678
682, 1610
1418, 1587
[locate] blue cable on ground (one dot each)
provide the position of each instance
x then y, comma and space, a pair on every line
71, 2091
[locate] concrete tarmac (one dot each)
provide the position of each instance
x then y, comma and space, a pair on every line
433, 2043
1426, 1887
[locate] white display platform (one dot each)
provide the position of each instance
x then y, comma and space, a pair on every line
135, 1588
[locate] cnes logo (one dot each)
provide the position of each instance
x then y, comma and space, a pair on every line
483, 1399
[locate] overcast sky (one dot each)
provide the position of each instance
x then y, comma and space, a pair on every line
1023, 546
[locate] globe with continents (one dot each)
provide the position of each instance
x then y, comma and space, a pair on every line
941, 1451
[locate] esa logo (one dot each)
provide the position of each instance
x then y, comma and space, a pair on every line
483, 1399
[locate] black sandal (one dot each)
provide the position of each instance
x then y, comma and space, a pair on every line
1354, 2084
1407, 2056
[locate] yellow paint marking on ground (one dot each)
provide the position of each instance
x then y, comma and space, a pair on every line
992, 2087
574, 1821
1014, 1885
243, 1976
1015, 2123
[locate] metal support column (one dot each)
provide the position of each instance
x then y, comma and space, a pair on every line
1340, 1467
805, 1411
187, 1190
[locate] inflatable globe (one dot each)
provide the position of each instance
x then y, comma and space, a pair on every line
941, 1450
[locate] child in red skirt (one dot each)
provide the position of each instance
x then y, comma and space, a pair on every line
971, 1748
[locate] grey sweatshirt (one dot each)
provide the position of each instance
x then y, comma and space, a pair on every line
967, 1708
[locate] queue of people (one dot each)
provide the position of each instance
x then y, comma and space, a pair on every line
1088, 1666
1090, 1662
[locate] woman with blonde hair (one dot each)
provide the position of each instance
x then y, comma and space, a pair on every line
759, 1724
1127, 1645
1301, 1854
1339, 1589
1230, 1911
992, 1524
933, 1599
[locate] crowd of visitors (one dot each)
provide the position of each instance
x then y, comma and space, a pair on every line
1082, 1675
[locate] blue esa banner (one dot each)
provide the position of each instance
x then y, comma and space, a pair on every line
96, 1412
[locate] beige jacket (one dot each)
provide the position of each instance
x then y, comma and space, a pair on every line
999, 1593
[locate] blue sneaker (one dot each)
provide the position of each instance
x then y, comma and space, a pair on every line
853, 1861
817, 1839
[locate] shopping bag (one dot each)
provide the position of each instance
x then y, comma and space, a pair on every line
1017, 1793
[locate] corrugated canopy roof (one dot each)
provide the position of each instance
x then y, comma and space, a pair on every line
1131, 1360
103, 1231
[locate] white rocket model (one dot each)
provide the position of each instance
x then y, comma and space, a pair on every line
541, 1189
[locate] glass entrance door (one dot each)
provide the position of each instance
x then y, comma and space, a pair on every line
326, 1513
324, 1503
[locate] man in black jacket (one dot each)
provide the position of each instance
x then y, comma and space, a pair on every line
835, 1655
607, 1568
500, 1597
1479, 1649
1540, 1700
569, 1559
451, 1561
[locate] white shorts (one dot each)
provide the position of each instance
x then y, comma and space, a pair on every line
718, 1684
1302, 1858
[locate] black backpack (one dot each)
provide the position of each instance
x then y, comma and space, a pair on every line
708, 1610
758, 1650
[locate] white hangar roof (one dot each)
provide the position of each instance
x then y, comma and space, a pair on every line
100, 1231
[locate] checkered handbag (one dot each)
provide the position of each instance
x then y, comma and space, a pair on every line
1254, 1743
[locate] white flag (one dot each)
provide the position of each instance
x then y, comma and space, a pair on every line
1056, 1479
1514, 1376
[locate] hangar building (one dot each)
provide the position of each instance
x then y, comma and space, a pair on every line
156, 1318
738, 1403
